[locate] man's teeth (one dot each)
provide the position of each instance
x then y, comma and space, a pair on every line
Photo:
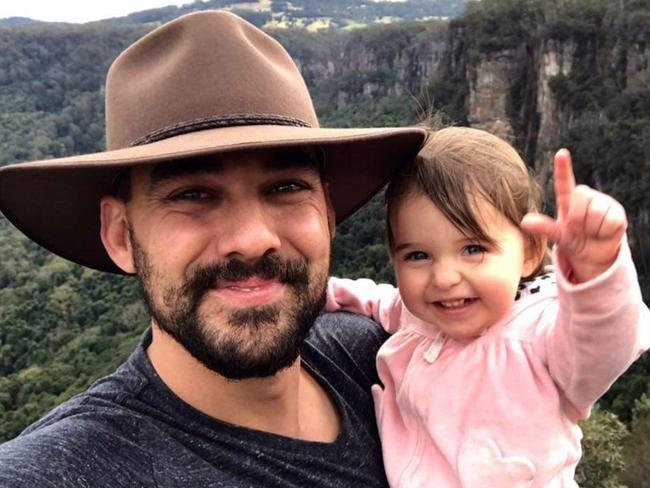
454, 303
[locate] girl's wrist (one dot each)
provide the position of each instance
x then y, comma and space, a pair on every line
582, 271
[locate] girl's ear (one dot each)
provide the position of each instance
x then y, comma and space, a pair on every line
535, 254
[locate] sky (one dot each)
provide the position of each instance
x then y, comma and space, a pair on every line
78, 10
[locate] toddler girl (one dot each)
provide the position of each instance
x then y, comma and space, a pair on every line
492, 361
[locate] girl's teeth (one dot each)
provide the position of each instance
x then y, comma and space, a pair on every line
453, 303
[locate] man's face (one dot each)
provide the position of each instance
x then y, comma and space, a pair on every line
233, 255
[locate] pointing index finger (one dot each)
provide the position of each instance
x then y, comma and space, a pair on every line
564, 182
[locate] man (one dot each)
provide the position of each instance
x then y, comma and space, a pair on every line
221, 193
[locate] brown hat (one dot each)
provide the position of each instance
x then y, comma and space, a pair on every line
205, 83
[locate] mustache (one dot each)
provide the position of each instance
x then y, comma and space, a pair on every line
267, 267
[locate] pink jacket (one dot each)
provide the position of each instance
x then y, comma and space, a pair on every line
501, 410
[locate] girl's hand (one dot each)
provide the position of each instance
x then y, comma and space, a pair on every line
589, 224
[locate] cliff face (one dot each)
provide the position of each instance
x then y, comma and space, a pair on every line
392, 71
510, 94
391, 60
554, 59
637, 70
489, 80
585, 86
588, 93
533, 93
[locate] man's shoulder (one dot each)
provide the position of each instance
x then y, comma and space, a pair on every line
341, 332
345, 343
80, 441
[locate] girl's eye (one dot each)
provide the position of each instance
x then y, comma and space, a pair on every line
474, 249
416, 256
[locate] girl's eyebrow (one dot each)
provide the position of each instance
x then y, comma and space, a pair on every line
403, 246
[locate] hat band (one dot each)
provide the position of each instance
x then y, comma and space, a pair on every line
218, 121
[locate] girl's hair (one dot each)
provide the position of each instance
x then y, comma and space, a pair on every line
459, 166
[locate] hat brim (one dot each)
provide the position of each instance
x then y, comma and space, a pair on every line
56, 202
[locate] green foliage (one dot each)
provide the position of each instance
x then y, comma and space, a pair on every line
61, 327
576, 20
448, 94
623, 394
498, 25
29, 394
51, 82
602, 460
365, 231
388, 111
637, 447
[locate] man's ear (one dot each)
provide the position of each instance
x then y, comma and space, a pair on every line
331, 214
534, 254
115, 233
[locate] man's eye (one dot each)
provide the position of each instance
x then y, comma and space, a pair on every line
190, 194
473, 249
287, 187
416, 256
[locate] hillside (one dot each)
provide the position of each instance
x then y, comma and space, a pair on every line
17, 21
545, 74
309, 14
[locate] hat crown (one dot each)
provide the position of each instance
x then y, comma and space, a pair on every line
202, 70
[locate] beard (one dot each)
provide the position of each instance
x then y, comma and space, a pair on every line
241, 343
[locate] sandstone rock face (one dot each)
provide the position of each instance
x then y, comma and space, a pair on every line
489, 88
638, 66
370, 68
505, 91
554, 59
543, 89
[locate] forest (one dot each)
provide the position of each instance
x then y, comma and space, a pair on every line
63, 326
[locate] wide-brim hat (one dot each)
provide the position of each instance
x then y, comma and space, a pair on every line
205, 83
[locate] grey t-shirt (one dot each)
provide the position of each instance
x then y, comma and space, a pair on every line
130, 430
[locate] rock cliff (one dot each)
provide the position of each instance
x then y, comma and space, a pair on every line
545, 83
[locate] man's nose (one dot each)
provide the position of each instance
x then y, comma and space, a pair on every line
445, 275
249, 232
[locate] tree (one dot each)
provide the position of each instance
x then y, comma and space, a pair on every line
602, 460
637, 447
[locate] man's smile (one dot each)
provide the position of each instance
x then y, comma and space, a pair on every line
249, 292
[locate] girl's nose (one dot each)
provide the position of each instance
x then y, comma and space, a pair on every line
445, 275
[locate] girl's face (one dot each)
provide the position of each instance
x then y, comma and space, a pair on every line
460, 285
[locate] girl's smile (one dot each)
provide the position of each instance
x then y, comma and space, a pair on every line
456, 306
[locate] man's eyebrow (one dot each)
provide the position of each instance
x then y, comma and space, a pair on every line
182, 167
294, 160
212, 165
